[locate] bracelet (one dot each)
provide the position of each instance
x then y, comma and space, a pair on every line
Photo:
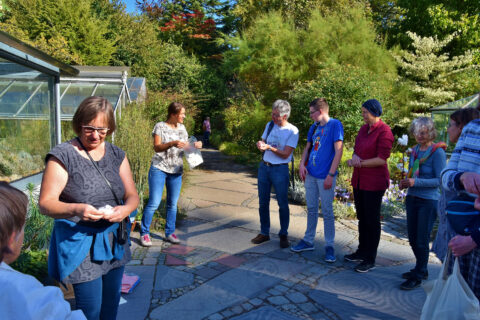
331, 174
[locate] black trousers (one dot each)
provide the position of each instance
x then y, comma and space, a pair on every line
367, 205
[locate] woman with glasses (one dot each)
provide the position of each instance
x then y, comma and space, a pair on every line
170, 139
85, 249
427, 161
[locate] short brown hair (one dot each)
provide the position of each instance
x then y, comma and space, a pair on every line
89, 109
464, 116
174, 108
319, 104
13, 212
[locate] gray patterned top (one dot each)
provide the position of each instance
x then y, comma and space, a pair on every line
169, 160
86, 185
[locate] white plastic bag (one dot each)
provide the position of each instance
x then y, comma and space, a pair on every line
449, 297
192, 154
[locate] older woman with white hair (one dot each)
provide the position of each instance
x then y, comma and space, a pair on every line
279, 139
427, 161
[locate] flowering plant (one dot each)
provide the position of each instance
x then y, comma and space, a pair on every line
403, 141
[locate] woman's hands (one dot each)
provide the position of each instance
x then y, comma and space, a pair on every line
355, 161
117, 214
198, 144
87, 212
406, 183
179, 144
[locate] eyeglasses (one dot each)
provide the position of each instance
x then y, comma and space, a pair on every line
422, 134
90, 129
313, 112
451, 124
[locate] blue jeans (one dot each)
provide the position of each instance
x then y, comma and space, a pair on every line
278, 177
421, 214
99, 298
315, 191
156, 180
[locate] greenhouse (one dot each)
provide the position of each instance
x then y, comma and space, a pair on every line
38, 97
441, 116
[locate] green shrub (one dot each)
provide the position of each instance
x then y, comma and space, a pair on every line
345, 88
34, 263
245, 123
344, 210
133, 135
38, 227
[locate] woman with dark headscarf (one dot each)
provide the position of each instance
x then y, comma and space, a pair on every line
369, 181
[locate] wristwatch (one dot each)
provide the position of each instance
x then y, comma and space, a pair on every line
331, 174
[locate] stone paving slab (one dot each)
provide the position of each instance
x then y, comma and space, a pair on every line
230, 288
216, 195
138, 301
265, 313
235, 215
294, 208
373, 295
170, 278
237, 186
233, 240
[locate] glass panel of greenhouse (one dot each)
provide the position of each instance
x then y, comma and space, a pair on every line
25, 114
441, 116
38, 98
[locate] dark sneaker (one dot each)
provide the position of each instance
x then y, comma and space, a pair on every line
260, 238
410, 284
330, 254
302, 246
411, 275
284, 243
353, 257
364, 266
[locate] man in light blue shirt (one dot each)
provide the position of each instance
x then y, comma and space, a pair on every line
318, 169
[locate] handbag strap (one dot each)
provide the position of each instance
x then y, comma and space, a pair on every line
99, 171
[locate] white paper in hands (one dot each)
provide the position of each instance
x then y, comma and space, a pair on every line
106, 210
192, 154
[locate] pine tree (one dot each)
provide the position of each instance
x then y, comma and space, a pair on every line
430, 71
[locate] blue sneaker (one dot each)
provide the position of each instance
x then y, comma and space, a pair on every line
330, 254
302, 246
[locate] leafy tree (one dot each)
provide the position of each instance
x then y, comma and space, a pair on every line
69, 27
299, 11
430, 18
194, 25
271, 54
431, 71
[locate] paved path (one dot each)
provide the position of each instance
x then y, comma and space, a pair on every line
217, 273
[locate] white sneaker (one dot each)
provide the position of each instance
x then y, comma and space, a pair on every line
145, 240
173, 238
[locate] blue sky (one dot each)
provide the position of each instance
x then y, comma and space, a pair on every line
131, 8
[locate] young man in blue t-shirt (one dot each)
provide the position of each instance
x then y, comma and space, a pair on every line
323, 151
